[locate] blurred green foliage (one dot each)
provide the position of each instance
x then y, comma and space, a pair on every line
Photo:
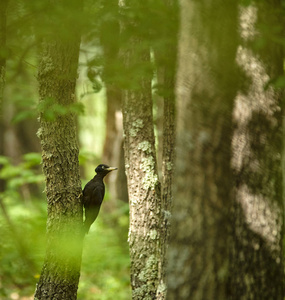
105, 262
22, 226
21, 174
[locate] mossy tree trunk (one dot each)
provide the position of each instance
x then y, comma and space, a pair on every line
143, 187
149, 205
145, 234
198, 255
57, 79
257, 259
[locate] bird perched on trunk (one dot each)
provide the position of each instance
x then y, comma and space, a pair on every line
93, 195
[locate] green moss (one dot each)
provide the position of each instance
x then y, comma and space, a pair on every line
161, 288
149, 272
40, 133
145, 146
136, 126
141, 293
169, 166
167, 215
142, 276
138, 123
151, 268
150, 179
153, 234
47, 65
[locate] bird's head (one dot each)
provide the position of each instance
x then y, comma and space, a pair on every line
104, 169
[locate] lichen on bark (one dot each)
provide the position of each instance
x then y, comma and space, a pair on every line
143, 188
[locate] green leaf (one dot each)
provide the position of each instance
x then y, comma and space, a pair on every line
10, 171
24, 115
49, 115
77, 108
4, 160
32, 159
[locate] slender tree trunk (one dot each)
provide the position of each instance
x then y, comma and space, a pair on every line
113, 142
143, 187
57, 78
206, 86
257, 259
112, 152
167, 179
145, 234
165, 46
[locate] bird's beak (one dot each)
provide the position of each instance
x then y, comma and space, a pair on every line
111, 169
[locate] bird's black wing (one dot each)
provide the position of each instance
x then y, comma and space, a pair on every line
87, 191
93, 195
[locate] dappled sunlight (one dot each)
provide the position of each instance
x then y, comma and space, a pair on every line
262, 217
256, 163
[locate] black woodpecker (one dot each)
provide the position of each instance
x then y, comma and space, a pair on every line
93, 195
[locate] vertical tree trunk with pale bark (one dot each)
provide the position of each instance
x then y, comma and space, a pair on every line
206, 86
143, 187
145, 234
149, 206
57, 78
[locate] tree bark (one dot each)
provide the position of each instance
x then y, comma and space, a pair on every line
257, 258
57, 79
144, 190
167, 180
113, 143
112, 151
165, 49
205, 89
145, 236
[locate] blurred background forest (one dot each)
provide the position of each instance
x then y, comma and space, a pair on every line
104, 273
105, 269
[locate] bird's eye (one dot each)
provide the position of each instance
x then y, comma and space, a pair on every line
103, 167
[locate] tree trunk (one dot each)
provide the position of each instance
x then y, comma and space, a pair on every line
144, 191
206, 87
257, 258
145, 236
112, 151
113, 141
57, 78
167, 179
165, 45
